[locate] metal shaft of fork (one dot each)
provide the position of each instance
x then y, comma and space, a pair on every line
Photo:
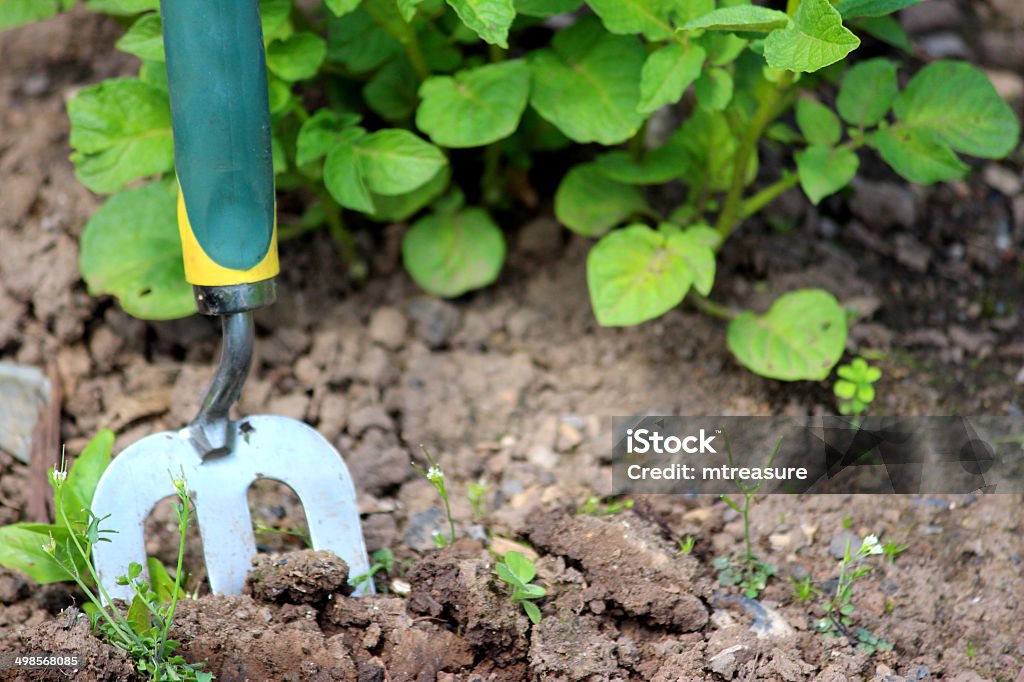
212, 432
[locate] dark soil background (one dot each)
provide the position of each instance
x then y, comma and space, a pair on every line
513, 386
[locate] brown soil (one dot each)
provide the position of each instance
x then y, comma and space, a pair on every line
514, 386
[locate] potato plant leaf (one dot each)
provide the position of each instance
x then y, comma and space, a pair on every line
451, 252
801, 337
851, 9
588, 83
122, 7
667, 73
656, 166
714, 89
297, 57
130, 248
15, 13
867, 92
475, 107
120, 131
626, 17
814, 39
825, 170
745, 18
489, 19
590, 203
636, 273
546, 8
320, 132
817, 123
144, 39
341, 7
396, 161
957, 103
919, 155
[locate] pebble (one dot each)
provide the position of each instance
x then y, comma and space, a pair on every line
837, 548
388, 327
945, 45
884, 204
1002, 179
365, 418
726, 661
935, 15
435, 321
419, 534
23, 392
912, 253
1008, 84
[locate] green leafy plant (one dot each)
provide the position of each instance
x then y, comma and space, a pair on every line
435, 475
855, 387
803, 589
476, 492
410, 94
686, 545
597, 506
517, 572
144, 632
22, 545
383, 560
840, 609
750, 572
970, 650
891, 549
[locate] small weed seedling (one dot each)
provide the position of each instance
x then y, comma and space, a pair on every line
839, 610
435, 474
751, 573
383, 560
477, 493
517, 571
891, 549
686, 545
855, 387
260, 528
970, 650
803, 589
594, 506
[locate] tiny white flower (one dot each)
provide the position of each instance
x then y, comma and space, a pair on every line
51, 546
58, 475
435, 474
870, 545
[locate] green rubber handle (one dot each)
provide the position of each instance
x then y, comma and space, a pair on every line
217, 79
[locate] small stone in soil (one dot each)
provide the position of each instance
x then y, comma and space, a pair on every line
388, 327
837, 547
435, 321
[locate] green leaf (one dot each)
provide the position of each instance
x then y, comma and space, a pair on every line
708, 145
529, 592
532, 612
626, 17
144, 39
844, 390
452, 252
83, 476
656, 166
475, 107
396, 161
867, 92
161, 581
297, 57
401, 207
886, 29
341, 7
138, 616
817, 123
343, 176
714, 89
636, 273
274, 19
851, 9
745, 18
279, 93
120, 131
20, 12
506, 574
130, 248
122, 7
825, 170
919, 155
391, 92
407, 8
489, 19
667, 73
21, 548
588, 84
590, 203
520, 566
815, 38
358, 43
546, 8
958, 104
800, 338
320, 132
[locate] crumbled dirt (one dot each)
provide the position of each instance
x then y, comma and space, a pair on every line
513, 386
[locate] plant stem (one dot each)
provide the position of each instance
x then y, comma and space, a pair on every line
342, 238
792, 6
709, 307
773, 99
748, 500
769, 194
491, 185
183, 514
406, 36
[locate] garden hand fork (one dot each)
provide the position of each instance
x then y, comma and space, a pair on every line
216, 76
